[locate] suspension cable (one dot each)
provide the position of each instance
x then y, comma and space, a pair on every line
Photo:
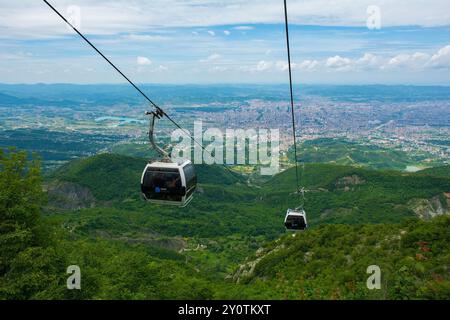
291, 93
159, 109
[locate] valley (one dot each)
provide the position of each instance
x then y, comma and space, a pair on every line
375, 173
230, 242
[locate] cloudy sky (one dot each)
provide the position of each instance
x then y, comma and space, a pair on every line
227, 41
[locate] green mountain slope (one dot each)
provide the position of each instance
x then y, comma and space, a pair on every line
225, 204
339, 194
226, 216
108, 176
330, 262
443, 171
222, 206
223, 245
117, 177
345, 152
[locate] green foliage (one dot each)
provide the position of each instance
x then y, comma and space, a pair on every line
224, 203
443, 171
35, 273
345, 152
21, 199
112, 270
112, 176
341, 194
108, 176
29, 265
128, 249
330, 262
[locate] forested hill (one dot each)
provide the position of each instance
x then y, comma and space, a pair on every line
228, 243
330, 262
334, 194
443, 171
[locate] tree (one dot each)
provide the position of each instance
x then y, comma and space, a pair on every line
21, 200
30, 266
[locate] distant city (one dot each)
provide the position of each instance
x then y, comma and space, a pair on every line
61, 122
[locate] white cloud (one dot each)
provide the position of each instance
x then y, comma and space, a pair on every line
263, 66
143, 61
32, 19
407, 62
211, 58
308, 65
214, 56
339, 63
441, 59
218, 69
15, 56
144, 38
282, 65
368, 61
410, 61
243, 28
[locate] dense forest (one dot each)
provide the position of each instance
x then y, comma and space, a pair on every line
230, 242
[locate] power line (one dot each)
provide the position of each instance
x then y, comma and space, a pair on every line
291, 92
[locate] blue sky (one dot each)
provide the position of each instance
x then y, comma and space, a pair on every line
234, 41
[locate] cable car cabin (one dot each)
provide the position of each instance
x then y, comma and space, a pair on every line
295, 220
169, 183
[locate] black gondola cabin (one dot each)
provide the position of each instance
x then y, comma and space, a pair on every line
169, 183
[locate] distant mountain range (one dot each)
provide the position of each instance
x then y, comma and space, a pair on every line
107, 94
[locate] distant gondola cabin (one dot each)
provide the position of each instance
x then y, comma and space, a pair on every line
295, 220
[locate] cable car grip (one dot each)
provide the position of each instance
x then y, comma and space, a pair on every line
157, 114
